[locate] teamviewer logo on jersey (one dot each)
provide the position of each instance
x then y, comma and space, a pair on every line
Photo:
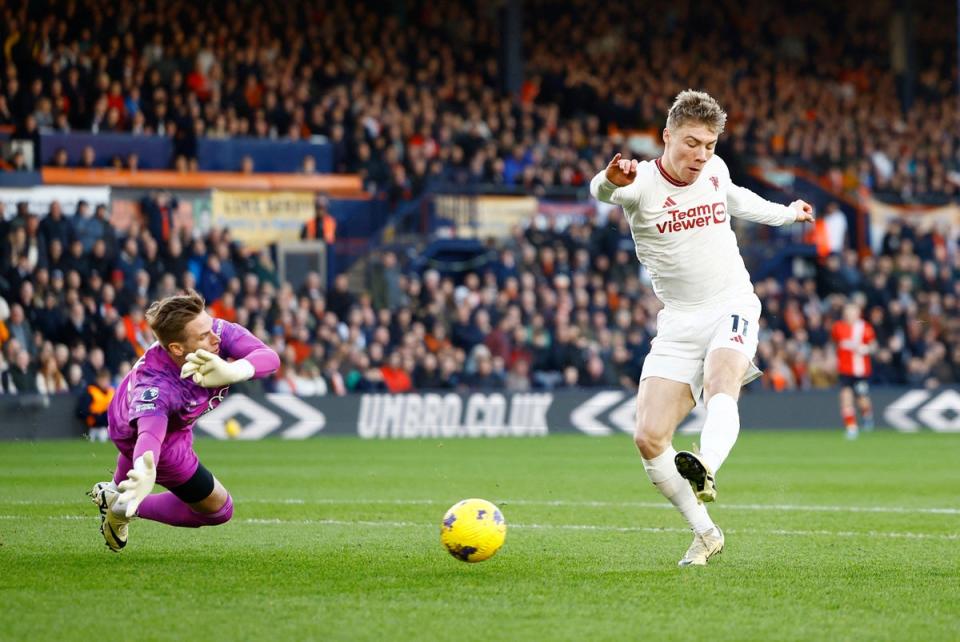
719, 212
692, 218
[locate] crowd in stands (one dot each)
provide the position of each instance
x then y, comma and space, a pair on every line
414, 94
552, 308
909, 291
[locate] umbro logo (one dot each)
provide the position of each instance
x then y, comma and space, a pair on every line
669, 203
737, 338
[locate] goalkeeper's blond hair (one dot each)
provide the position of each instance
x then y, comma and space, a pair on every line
692, 107
168, 317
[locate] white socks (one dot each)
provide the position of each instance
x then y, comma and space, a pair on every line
720, 430
719, 434
663, 473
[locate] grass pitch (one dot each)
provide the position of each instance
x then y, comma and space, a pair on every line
338, 539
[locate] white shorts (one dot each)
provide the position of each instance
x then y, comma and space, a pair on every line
685, 337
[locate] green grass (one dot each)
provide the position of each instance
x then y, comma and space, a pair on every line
351, 549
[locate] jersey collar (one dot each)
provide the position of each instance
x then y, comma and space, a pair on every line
666, 176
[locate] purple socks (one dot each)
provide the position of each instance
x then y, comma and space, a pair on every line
168, 509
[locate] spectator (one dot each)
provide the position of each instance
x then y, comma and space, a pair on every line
486, 375
20, 329
22, 376
51, 380
835, 221
518, 378
595, 374
323, 226
87, 229
340, 299
385, 281
17, 162
394, 376
55, 226
309, 165
92, 406
118, 348
88, 158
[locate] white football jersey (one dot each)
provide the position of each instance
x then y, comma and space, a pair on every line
682, 231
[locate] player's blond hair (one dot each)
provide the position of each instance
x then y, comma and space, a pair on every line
696, 107
168, 317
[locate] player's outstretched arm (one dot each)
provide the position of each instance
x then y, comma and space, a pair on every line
803, 211
244, 345
211, 371
265, 361
138, 484
253, 359
618, 173
151, 431
743, 203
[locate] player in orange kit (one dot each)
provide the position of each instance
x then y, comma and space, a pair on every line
855, 341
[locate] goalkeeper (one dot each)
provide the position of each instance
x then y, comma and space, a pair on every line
185, 374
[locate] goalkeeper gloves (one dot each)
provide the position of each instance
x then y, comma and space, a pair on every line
210, 371
138, 484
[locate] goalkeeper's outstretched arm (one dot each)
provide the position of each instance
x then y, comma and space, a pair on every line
151, 431
253, 360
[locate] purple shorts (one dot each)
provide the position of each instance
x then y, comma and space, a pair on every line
177, 464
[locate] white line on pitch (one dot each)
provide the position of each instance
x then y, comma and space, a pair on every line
616, 529
607, 504
569, 527
814, 508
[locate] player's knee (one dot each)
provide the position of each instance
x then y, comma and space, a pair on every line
649, 439
723, 382
222, 516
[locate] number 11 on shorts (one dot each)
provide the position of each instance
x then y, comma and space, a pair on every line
737, 326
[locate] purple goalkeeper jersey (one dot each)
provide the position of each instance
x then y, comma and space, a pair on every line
154, 387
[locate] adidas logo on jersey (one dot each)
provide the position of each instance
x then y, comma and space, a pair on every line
737, 338
669, 203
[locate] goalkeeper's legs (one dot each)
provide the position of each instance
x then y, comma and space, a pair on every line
200, 501
168, 509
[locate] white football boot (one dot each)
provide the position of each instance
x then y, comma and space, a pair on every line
704, 546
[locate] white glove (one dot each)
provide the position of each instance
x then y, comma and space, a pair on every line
138, 484
210, 371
